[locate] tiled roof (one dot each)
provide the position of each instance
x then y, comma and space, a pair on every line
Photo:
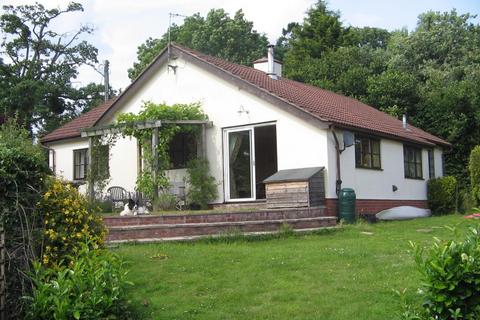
326, 105
343, 112
72, 129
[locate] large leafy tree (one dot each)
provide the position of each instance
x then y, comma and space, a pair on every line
444, 54
38, 65
322, 52
232, 39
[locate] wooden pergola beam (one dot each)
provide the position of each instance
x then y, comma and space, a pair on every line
90, 133
148, 124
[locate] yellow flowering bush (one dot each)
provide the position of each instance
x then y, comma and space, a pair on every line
67, 223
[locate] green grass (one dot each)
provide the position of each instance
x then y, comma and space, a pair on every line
347, 274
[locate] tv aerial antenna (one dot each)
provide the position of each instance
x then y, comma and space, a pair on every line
171, 15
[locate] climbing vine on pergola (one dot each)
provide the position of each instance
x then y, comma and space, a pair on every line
154, 128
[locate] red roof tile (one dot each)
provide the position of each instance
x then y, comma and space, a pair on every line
72, 129
325, 105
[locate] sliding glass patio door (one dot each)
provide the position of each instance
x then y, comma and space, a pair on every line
239, 165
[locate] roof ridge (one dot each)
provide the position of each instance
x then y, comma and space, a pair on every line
327, 106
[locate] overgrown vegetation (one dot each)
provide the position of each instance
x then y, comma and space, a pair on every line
451, 277
91, 286
442, 195
48, 225
202, 187
67, 224
23, 171
474, 170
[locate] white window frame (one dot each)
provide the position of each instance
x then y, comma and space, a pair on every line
226, 171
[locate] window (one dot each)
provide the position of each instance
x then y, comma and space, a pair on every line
412, 158
52, 160
183, 148
367, 152
431, 164
80, 164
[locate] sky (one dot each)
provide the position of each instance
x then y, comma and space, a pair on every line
122, 25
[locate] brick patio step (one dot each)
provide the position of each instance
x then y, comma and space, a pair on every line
159, 232
221, 216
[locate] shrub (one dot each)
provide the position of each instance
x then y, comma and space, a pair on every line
474, 170
101, 205
165, 201
68, 222
441, 195
202, 187
451, 277
23, 171
92, 286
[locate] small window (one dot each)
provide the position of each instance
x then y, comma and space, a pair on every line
183, 148
431, 164
52, 160
367, 152
80, 164
412, 158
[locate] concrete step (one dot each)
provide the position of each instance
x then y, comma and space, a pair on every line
221, 216
182, 230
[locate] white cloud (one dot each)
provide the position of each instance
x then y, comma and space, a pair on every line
121, 26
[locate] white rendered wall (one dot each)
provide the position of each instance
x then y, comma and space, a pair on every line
64, 156
377, 184
299, 144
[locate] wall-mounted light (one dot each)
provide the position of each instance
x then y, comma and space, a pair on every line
242, 110
174, 68
394, 188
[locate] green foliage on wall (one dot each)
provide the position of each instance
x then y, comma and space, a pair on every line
162, 111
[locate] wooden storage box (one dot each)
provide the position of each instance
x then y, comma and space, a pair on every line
295, 188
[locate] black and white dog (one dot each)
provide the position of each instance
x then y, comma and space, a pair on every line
130, 208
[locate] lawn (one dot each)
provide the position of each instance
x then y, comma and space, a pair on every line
345, 274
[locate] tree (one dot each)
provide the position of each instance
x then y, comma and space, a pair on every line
38, 64
431, 73
444, 54
322, 52
218, 35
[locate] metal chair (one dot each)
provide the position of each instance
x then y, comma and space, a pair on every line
117, 195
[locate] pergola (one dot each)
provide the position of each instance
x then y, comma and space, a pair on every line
92, 132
